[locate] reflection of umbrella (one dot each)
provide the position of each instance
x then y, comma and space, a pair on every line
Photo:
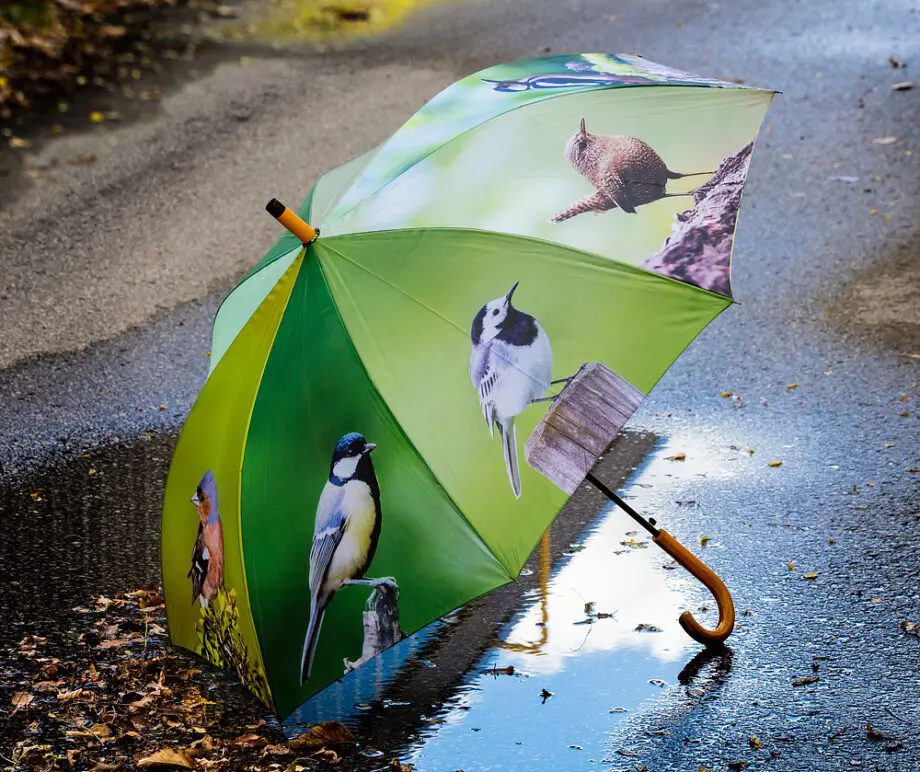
401, 399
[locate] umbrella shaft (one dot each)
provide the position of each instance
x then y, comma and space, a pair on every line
648, 526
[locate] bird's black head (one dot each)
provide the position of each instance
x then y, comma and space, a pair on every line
351, 458
494, 317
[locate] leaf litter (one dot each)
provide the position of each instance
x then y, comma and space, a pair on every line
118, 695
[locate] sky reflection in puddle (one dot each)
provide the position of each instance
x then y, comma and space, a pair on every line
595, 666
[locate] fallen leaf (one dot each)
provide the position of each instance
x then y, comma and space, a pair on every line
904, 85
725, 394
116, 643
792, 386
21, 700
809, 576
167, 757
805, 680
755, 743
249, 740
96, 117
678, 457
790, 566
775, 464
324, 734
704, 540
873, 734
36, 496
67, 696
19, 143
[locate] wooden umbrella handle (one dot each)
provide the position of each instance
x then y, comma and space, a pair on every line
716, 586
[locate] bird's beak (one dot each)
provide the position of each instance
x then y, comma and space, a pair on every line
196, 501
584, 131
510, 293
369, 447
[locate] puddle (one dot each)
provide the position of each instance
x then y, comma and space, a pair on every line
542, 670
598, 668
86, 527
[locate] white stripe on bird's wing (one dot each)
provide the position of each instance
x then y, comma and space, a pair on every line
324, 544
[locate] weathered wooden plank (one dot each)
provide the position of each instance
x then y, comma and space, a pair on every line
584, 419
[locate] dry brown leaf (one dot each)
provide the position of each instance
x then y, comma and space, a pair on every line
117, 643
792, 386
790, 566
168, 757
66, 696
249, 740
324, 734
47, 686
678, 457
755, 743
810, 576
873, 734
21, 700
775, 464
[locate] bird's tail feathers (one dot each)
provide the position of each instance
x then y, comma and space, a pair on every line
317, 613
509, 444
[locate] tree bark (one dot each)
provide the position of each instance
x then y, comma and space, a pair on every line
381, 624
699, 249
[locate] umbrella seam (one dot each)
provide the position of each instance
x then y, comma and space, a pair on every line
298, 262
477, 536
616, 264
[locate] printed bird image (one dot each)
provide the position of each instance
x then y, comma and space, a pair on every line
511, 366
345, 534
207, 571
625, 171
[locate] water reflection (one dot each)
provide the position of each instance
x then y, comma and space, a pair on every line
600, 635
86, 527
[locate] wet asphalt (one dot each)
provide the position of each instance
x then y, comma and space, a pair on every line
112, 272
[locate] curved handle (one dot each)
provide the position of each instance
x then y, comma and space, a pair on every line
716, 586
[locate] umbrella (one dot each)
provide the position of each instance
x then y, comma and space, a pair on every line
404, 392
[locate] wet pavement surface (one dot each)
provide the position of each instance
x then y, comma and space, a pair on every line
102, 325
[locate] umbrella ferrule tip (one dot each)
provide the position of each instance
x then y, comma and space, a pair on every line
275, 208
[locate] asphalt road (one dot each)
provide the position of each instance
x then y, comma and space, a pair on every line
112, 270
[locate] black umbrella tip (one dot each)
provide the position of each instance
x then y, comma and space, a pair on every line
275, 208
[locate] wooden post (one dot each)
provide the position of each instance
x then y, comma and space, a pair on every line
381, 624
584, 419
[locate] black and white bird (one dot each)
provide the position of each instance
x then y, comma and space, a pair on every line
345, 533
511, 366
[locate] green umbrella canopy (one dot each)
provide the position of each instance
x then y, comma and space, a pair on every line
379, 404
